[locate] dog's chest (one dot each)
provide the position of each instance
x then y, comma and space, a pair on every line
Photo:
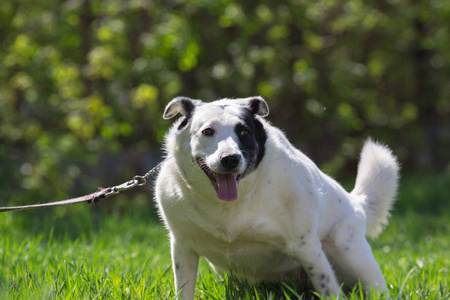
250, 245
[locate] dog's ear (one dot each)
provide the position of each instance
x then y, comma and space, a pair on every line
257, 105
180, 105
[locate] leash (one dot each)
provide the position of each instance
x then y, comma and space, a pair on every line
94, 197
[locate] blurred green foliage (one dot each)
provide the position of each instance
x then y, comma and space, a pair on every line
80, 79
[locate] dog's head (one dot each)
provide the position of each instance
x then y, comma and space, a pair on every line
226, 138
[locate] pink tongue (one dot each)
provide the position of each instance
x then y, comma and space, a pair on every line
227, 187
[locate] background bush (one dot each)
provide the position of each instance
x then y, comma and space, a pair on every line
83, 83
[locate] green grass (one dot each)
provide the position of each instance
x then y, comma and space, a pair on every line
81, 252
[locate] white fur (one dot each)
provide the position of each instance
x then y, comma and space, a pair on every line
289, 216
376, 185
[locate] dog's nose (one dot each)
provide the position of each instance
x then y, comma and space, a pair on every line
231, 161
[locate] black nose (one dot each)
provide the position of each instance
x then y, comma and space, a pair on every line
231, 161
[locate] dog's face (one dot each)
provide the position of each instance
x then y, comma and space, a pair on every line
226, 138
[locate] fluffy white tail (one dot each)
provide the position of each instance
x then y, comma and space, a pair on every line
376, 185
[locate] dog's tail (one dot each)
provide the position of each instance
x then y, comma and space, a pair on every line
376, 185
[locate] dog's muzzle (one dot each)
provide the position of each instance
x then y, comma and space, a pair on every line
225, 184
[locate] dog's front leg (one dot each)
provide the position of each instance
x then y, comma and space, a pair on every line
308, 251
185, 265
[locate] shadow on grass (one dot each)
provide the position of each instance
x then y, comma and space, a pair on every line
240, 289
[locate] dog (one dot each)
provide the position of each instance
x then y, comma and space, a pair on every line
234, 190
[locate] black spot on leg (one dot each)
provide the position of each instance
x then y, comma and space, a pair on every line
310, 268
302, 237
177, 267
339, 200
322, 276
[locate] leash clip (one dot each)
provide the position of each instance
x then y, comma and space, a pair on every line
140, 180
137, 180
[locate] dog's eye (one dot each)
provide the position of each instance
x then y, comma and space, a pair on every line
208, 132
244, 132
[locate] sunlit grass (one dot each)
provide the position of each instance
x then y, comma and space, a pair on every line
86, 253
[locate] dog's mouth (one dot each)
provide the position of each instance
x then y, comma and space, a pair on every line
224, 184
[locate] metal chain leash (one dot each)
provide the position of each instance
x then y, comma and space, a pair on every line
137, 180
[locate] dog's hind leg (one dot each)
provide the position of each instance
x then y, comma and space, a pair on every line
308, 251
351, 252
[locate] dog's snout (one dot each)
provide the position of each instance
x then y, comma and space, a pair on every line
230, 162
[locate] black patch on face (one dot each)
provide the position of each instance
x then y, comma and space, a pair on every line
183, 123
252, 139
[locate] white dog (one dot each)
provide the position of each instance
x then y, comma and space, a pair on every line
234, 190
